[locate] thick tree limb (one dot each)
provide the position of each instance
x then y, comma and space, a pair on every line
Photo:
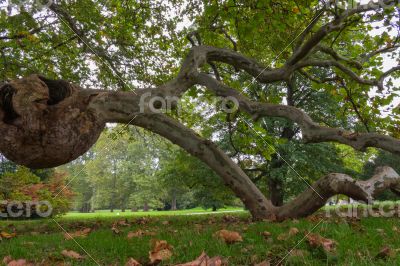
308, 202
311, 131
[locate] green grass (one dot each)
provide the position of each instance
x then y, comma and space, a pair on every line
358, 241
128, 214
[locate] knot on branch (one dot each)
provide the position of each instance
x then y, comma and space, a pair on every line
45, 123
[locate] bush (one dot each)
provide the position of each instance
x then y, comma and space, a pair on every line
26, 187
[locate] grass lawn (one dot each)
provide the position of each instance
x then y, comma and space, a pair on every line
358, 241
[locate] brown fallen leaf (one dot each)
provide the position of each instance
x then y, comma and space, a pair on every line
115, 229
165, 223
316, 240
20, 262
81, 233
123, 222
204, 260
137, 233
293, 231
140, 233
72, 254
10, 262
263, 263
385, 252
7, 235
229, 236
7, 259
161, 251
266, 234
132, 262
297, 253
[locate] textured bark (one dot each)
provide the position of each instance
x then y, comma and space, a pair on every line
46, 128
314, 198
275, 188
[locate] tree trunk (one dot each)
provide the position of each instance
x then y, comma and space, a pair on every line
146, 207
173, 202
276, 193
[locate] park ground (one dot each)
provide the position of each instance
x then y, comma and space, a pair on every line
346, 241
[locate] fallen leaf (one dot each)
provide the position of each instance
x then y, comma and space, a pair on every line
161, 251
132, 262
123, 222
266, 234
165, 222
316, 240
20, 262
140, 233
263, 263
385, 252
7, 259
7, 235
72, 254
115, 229
229, 236
204, 260
80, 233
297, 253
293, 231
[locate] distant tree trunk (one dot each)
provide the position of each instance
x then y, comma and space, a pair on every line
173, 202
146, 207
114, 187
214, 208
275, 187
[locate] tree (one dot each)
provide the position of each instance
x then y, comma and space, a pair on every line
46, 122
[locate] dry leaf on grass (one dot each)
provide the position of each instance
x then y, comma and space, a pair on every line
385, 252
7, 235
293, 231
122, 222
10, 262
115, 229
132, 262
161, 251
316, 240
81, 233
204, 260
229, 236
72, 254
263, 263
140, 233
266, 234
297, 253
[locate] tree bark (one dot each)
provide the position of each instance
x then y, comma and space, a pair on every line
146, 207
276, 193
173, 202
